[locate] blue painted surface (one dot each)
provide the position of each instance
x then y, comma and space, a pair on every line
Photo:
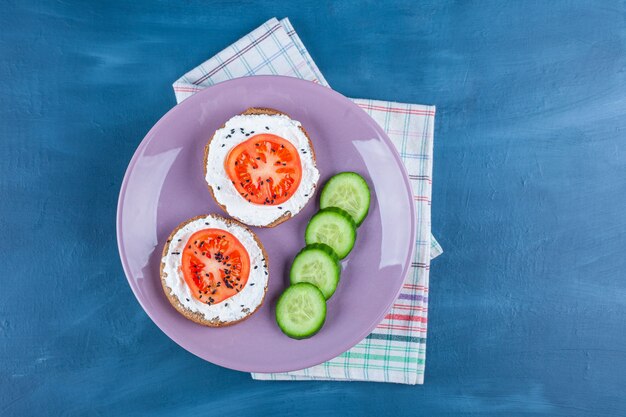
528, 304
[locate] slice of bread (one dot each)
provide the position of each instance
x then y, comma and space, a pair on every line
194, 315
255, 111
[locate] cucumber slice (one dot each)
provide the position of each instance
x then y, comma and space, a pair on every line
301, 310
317, 264
333, 227
348, 191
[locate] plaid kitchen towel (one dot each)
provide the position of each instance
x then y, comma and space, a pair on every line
396, 349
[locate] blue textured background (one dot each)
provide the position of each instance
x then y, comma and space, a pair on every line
528, 304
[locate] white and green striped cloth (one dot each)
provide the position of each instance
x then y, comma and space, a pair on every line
396, 349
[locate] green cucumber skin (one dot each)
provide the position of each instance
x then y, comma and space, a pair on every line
360, 179
321, 322
345, 215
341, 211
321, 246
328, 251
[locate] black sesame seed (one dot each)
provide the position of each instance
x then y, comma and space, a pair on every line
255, 266
280, 208
218, 187
175, 253
267, 128
252, 284
223, 145
187, 299
247, 134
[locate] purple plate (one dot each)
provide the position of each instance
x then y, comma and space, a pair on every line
164, 186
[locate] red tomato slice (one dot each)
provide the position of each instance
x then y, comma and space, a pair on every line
265, 169
215, 265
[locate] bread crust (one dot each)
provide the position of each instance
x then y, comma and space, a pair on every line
256, 111
194, 315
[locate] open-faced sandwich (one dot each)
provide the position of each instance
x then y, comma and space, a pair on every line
214, 271
260, 167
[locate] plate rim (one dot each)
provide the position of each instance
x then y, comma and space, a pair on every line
197, 97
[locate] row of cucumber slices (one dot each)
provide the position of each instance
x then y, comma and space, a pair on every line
315, 271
